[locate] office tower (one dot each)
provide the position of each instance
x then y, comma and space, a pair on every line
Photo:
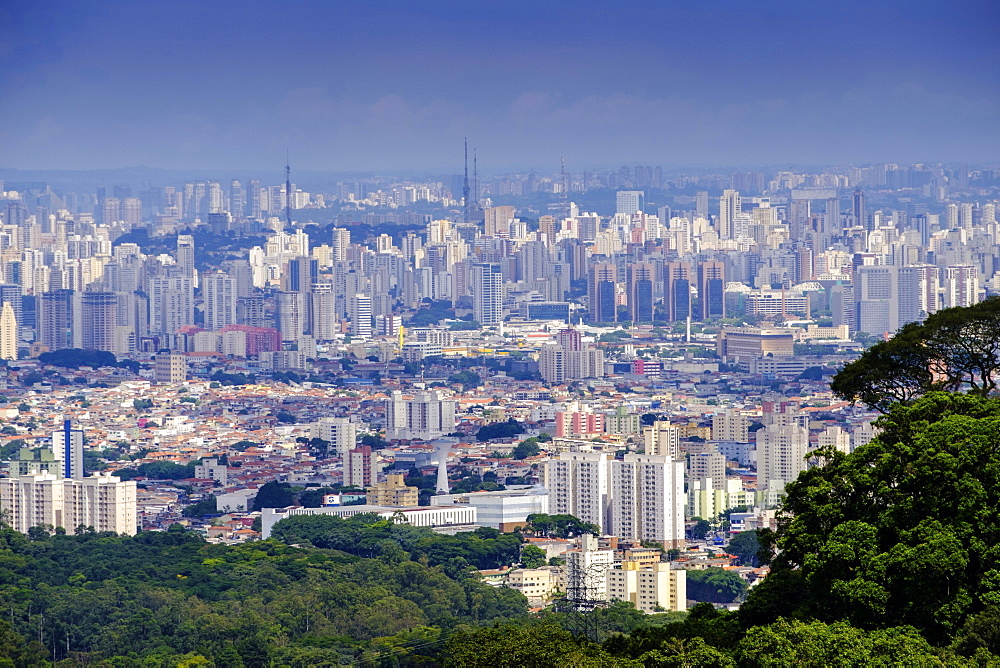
290, 315
67, 447
425, 416
647, 499
487, 294
640, 277
254, 204
105, 503
729, 208
340, 243
339, 432
359, 312
961, 285
185, 255
677, 290
662, 438
99, 320
712, 289
169, 368
781, 455
918, 292
876, 296
237, 199
700, 205
579, 484
220, 300
628, 202
361, 467
8, 332
602, 292
860, 215
497, 220
56, 314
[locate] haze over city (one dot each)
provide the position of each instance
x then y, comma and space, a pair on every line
396, 85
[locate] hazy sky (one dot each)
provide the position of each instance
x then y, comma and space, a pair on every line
391, 85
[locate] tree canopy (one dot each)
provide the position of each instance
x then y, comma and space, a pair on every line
955, 349
903, 531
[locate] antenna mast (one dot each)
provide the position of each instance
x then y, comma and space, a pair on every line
465, 185
565, 185
288, 193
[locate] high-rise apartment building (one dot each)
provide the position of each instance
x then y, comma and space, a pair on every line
918, 292
579, 484
99, 320
57, 310
647, 499
425, 416
781, 454
220, 300
361, 467
876, 295
961, 285
8, 332
729, 208
339, 432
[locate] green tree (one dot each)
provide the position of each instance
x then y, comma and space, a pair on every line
954, 349
745, 546
532, 557
466, 378
507, 429
526, 448
274, 495
560, 526
798, 643
510, 646
901, 532
715, 585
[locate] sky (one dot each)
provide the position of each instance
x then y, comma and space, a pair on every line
396, 85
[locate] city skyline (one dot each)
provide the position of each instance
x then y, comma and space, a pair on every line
106, 85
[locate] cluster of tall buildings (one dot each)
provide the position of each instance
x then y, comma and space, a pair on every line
795, 246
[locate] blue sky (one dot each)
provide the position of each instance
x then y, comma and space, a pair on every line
391, 85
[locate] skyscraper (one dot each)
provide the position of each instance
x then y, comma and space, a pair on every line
677, 290
628, 202
711, 289
487, 294
640, 278
602, 292
67, 446
860, 216
55, 319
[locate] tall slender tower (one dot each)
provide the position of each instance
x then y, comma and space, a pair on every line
465, 185
288, 193
8, 333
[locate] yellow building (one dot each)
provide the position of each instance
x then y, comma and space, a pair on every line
537, 583
651, 589
392, 492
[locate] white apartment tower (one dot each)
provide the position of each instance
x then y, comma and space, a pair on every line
425, 416
647, 498
220, 301
781, 454
579, 484
487, 294
340, 432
